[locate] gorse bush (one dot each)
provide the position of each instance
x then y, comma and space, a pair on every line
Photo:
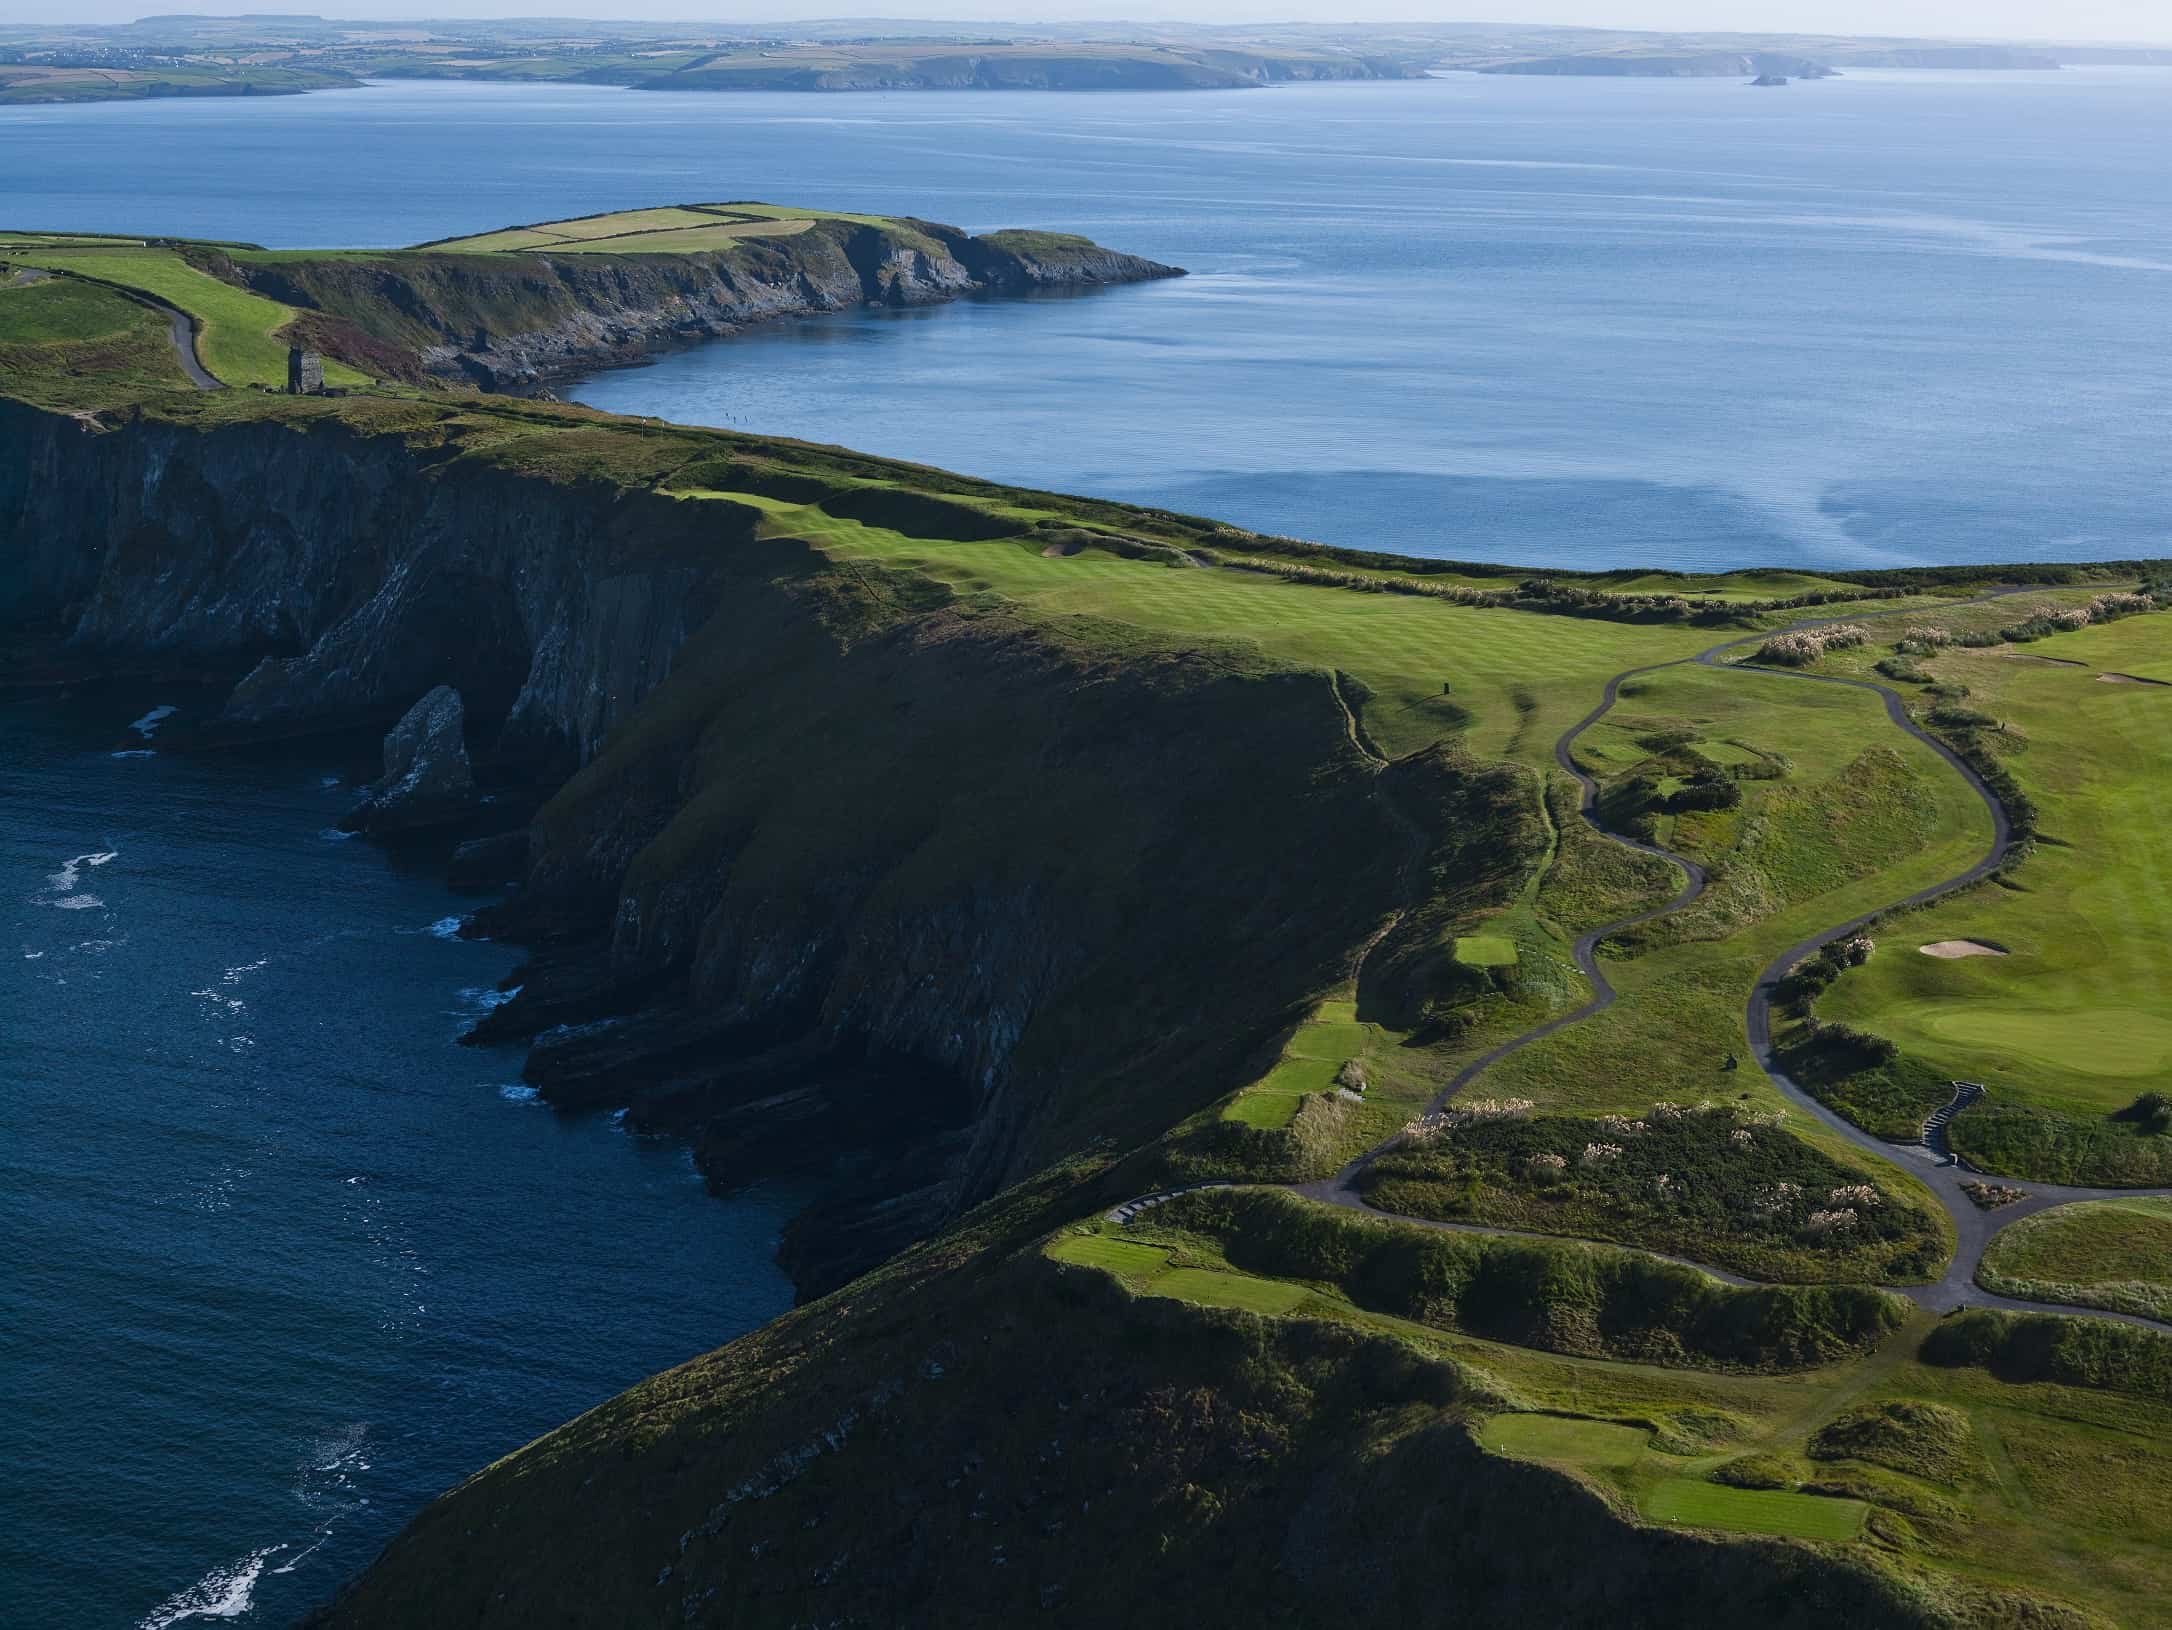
1805, 646
2102, 608
1709, 1181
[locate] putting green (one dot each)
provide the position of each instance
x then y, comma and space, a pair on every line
1559, 1438
1486, 951
1117, 1256
2113, 1041
1236, 1290
1690, 1503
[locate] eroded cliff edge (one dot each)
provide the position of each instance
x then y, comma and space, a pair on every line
839, 871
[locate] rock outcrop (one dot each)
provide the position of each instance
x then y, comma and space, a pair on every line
427, 781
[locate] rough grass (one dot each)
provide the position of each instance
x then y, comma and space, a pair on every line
1930, 1441
56, 333
236, 334
2114, 1254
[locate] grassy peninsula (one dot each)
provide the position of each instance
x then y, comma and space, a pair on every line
1342, 1087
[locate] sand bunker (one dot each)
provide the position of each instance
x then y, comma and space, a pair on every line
2126, 679
1948, 949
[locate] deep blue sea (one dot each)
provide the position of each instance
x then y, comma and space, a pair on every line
282, 1260
1880, 319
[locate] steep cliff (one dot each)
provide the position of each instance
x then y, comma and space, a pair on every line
847, 866
515, 321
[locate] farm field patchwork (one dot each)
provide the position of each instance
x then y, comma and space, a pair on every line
675, 229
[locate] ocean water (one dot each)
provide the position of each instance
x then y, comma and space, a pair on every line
1882, 319
283, 1261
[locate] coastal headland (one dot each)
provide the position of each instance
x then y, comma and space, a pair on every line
1348, 1087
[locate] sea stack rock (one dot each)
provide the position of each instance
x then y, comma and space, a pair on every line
427, 780
1770, 79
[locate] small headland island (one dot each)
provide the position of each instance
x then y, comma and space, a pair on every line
1337, 1088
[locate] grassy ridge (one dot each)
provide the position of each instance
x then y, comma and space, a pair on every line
1574, 1299
55, 333
2114, 1254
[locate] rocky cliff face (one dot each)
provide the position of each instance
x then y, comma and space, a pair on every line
845, 871
514, 322
348, 576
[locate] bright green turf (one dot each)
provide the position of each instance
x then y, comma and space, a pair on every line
2075, 1018
1403, 647
1565, 1438
1309, 1063
1148, 1268
1124, 1258
2113, 1254
1242, 1291
1486, 951
1690, 1502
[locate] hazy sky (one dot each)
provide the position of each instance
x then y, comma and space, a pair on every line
2009, 19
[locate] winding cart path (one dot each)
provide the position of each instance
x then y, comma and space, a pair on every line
1974, 1227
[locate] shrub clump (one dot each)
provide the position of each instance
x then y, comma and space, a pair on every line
1924, 1440
2152, 1113
2076, 1352
1708, 1182
1756, 1472
1804, 646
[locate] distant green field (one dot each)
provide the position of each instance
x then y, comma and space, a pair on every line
1730, 586
1689, 1502
1525, 675
674, 229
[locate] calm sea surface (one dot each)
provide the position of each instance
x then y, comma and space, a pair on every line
282, 1261
1887, 318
